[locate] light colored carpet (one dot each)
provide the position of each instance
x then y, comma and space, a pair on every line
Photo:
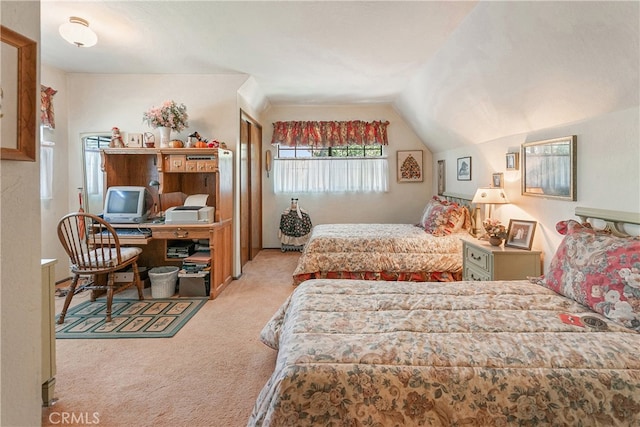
208, 374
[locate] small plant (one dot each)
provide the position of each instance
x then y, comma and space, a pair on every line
494, 228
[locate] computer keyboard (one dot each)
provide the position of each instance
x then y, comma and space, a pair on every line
130, 232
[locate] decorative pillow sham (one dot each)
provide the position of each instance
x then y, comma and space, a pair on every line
442, 217
598, 270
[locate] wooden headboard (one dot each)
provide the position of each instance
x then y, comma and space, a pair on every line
613, 221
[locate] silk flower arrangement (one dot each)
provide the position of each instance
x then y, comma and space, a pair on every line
170, 114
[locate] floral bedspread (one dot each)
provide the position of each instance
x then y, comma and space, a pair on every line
363, 353
380, 252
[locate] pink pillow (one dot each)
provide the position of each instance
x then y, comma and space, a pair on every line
598, 270
442, 217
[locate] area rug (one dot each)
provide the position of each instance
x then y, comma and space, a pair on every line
131, 318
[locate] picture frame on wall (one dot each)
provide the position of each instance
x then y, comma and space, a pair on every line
409, 166
441, 177
463, 169
520, 234
512, 161
497, 180
549, 168
18, 96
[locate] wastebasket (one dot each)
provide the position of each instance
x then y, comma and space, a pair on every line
163, 281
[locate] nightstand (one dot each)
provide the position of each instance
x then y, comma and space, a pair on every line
481, 261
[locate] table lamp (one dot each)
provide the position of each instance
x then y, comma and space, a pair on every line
487, 196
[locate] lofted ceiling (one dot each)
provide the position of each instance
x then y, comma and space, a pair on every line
458, 72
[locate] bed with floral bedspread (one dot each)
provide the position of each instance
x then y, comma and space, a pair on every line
363, 353
380, 252
429, 251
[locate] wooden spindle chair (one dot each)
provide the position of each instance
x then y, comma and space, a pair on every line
94, 249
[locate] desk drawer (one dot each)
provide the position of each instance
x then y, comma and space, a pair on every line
477, 257
181, 233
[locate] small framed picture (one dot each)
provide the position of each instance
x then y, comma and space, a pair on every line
512, 161
441, 176
410, 166
463, 171
497, 181
134, 140
520, 234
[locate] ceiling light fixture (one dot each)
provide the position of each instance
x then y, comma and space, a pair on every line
77, 32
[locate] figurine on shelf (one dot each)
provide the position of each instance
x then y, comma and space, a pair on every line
116, 138
199, 142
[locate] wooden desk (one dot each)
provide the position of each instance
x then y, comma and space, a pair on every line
154, 247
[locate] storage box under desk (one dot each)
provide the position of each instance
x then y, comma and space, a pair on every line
194, 285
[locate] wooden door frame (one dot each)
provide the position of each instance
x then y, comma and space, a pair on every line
254, 181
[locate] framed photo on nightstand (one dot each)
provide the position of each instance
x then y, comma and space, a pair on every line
520, 234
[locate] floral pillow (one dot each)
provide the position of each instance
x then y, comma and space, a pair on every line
598, 270
442, 217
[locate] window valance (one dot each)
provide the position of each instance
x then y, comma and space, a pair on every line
330, 133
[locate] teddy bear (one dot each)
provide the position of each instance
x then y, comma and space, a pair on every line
116, 138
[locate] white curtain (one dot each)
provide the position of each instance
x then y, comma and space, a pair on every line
331, 175
94, 174
46, 170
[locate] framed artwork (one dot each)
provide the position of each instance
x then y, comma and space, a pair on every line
463, 170
134, 140
512, 161
18, 96
441, 177
520, 234
497, 180
410, 166
549, 168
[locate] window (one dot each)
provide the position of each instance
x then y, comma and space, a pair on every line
92, 143
330, 156
374, 150
353, 168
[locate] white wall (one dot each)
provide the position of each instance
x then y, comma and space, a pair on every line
403, 203
608, 175
20, 293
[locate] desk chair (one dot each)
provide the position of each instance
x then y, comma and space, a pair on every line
94, 249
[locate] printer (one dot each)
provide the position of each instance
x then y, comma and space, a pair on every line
194, 211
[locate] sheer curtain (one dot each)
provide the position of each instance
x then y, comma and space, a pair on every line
95, 180
337, 174
46, 170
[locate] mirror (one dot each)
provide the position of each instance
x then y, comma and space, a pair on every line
93, 177
18, 96
549, 168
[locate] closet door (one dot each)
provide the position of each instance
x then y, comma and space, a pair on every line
250, 188
255, 161
245, 182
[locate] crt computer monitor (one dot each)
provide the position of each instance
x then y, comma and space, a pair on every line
127, 204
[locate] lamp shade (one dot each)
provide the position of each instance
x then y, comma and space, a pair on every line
77, 32
490, 195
